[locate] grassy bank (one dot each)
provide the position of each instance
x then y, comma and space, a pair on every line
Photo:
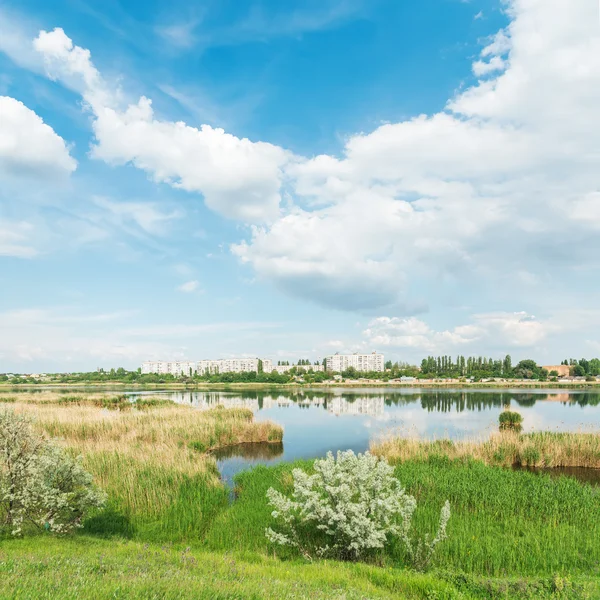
542, 449
504, 522
170, 531
153, 459
84, 567
6, 388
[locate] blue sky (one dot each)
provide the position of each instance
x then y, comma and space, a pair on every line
227, 178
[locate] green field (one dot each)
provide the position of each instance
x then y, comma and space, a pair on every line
169, 529
512, 535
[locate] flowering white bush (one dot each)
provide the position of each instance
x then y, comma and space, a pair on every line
350, 506
40, 484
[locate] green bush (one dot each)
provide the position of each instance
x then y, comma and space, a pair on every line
40, 484
351, 506
510, 420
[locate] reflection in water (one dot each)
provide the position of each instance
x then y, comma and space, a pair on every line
357, 406
374, 402
316, 421
259, 450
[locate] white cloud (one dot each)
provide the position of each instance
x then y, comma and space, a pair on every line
259, 25
180, 35
15, 239
239, 178
503, 330
147, 216
28, 146
481, 68
504, 181
67, 338
189, 286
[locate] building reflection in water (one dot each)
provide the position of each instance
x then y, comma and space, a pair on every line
342, 402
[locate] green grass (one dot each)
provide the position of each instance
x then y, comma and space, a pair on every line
507, 522
168, 534
504, 522
152, 502
83, 567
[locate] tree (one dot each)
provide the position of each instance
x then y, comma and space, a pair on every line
40, 484
528, 369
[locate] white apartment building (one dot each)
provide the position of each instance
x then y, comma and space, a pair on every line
227, 365
163, 367
361, 362
233, 365
281, 369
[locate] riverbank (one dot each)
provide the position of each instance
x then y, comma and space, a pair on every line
170, 530
508, 449
203, 386
511, 535
152, 458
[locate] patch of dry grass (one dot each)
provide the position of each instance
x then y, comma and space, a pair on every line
146, 457
544, 449
162, 434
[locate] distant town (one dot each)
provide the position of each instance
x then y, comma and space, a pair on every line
337, 363
336, 368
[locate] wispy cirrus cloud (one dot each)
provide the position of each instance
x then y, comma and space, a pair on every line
189, 287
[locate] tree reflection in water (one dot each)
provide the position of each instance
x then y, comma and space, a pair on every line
259, 450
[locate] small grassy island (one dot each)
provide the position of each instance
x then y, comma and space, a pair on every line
169, 528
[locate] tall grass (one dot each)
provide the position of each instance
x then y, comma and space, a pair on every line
504, 522
507, 448
162, 483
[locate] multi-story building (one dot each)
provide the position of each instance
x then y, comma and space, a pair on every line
228, 365
361, 362
285, 368
234, 365
163, 367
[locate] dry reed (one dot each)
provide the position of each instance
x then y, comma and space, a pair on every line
544, 449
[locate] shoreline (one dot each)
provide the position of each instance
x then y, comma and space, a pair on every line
202, 386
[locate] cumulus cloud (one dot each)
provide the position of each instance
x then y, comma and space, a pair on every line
503, 181
239, 178
503, 330
481, 67
28, 146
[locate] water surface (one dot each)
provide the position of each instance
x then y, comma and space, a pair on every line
316, 422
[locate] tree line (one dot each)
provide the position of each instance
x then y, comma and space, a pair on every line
432, 367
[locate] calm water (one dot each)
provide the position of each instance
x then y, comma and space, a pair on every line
315, 422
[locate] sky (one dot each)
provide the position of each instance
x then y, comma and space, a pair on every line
219, 178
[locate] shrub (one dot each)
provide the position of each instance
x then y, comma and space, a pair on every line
40, 484
510, 420
348, 508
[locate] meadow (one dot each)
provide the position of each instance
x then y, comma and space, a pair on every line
170, 530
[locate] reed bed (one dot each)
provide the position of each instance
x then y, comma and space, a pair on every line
153, 462
506, 448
